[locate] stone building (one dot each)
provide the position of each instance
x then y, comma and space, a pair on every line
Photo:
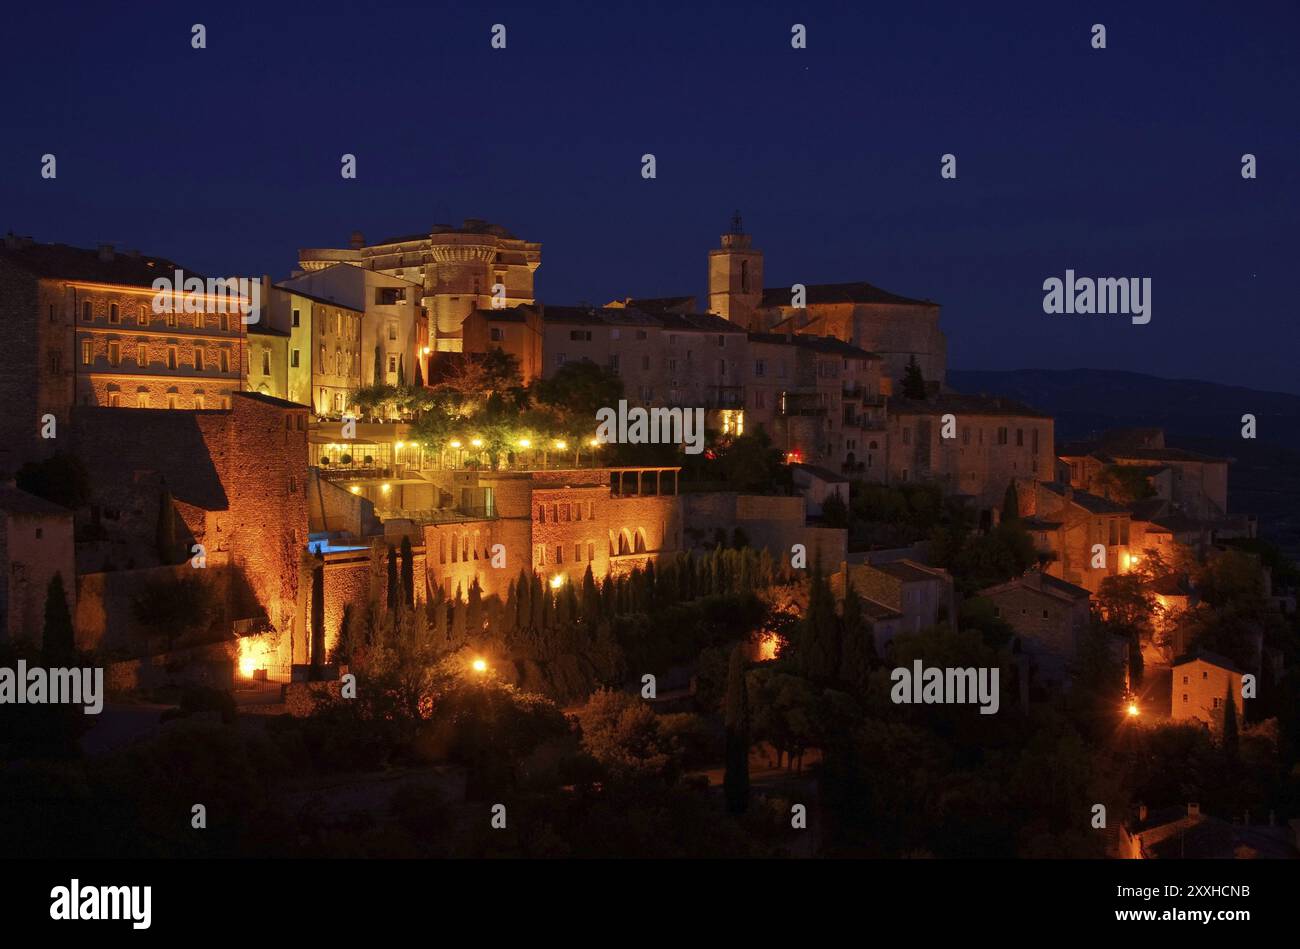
233, 481
35, 544
993, 441
81, 329
1202, 684
1193, 484
456, 267
556, 523
325, 349
1050, 617
1082, 538
395, 340
897, 328
922, 596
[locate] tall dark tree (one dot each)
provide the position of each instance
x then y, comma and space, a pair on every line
408, 573
419, 375
401, 369
1230, 729
856, 645
459, 618
58, 642
318, 613
735, 780
379, 366
474, 610
913, 381
393, 598
590, 597
819, 647
1011, 504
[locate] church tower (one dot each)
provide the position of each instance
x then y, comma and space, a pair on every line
736, 278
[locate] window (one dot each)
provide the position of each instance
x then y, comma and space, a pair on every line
293, 358
52, 319
1185, 680
541, 513
722, 340
114, 353
744, 276
114, 400
114, 315
171, 401
1020, 438
198, 359
297, 321
87, 313
1184, 698
907, 436
225, 360
142, 317
722, 367
613, 364
1044, 614
171, 320
1205, 675
591, 550
615, 333
85, 352
171, 357
559, 553
581, 335
497, 334
198, 402
225, 323
266, 362
997, 611
760, 367
641, 334
392, 332
1218, 703
56, 363
577, 553
142, 400
560, 359
1002, 435
392, 364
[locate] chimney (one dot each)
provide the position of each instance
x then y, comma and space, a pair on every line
357, 241
106, 252
1142, 813
12, 241
1193, 810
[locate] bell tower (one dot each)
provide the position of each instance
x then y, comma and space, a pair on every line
736, 277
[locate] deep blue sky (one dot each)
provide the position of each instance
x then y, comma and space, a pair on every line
1122, 162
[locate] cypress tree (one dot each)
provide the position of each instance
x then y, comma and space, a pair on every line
510, 613
58, 640
318, 613
735, 781
379, 366
524, 601
419, 375
408, 573
440, 625
538, 602
913, 381
1230, 730
458, 618
401, 369
474, 609
1011, 504
590, 597
855, 638
392, 577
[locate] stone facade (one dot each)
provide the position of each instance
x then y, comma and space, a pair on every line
457, 267
35, 544
1068, 526
993, 443
1050, 618
1201, 685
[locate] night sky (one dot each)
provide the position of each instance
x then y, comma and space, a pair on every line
1117, 162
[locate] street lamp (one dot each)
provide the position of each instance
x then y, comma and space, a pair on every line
479, 665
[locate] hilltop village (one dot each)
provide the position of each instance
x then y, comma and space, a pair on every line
369, 520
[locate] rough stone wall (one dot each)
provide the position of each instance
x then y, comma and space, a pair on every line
27, 564
1049, 628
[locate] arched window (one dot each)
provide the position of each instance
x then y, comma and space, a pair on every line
624, 542
640, 541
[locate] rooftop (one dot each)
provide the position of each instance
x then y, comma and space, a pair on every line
859, 292
822, 344
959, 403
64, 262
17, 501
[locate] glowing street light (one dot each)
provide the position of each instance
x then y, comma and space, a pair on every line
1133, 710
525, 443
426, 350
476, 442
385, 487
561, 444
479, 665
455, 443
557, 581
355, 489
